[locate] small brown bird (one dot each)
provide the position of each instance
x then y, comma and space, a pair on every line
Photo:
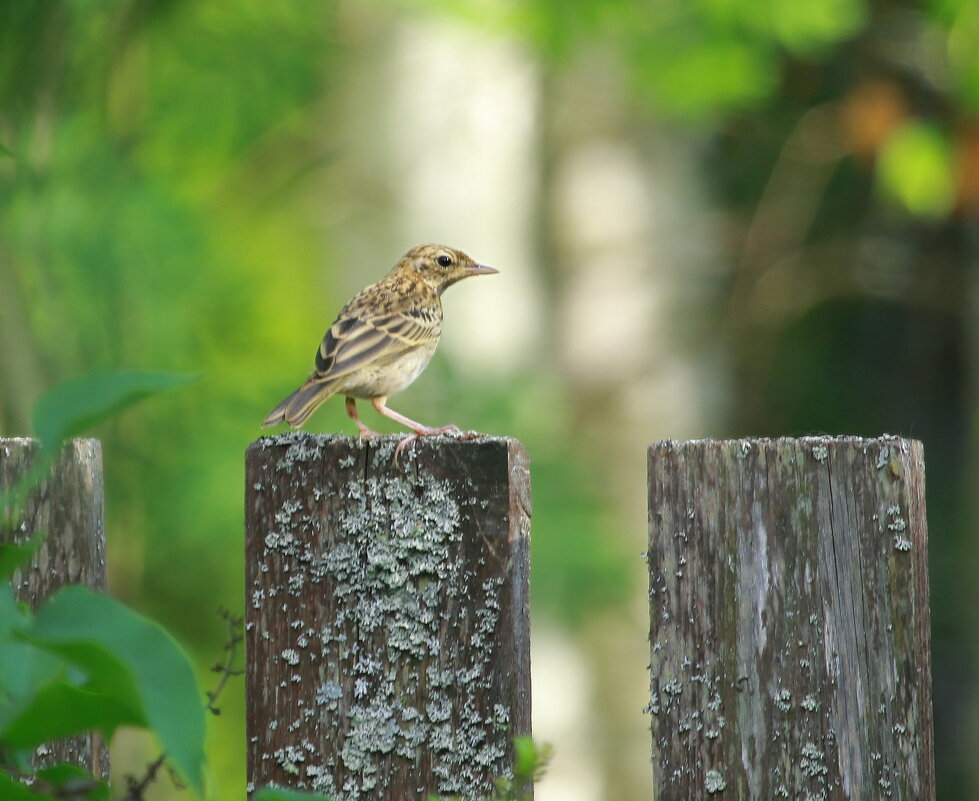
382, 339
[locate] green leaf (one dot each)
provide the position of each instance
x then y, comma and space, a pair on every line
16, 555
527, 757
276, 794
61, 709
13, 790
11, 614
74, 782
75, 405
24, 669
915, 167
12, 500
137, 662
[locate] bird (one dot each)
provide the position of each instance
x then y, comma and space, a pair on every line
382, 340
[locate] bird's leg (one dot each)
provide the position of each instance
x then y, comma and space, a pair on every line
419, 429
351, 405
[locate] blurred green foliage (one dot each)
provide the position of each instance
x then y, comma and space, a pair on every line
916, 168
157, 161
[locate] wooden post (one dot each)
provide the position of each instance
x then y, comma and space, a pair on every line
789, 620
387, 617
69, 506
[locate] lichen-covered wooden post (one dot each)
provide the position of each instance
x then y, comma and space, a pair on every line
68, 505
387, 615
789, 620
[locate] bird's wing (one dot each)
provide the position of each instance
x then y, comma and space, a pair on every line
370, 333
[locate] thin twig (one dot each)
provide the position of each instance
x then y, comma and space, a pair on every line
137, 787
227, 669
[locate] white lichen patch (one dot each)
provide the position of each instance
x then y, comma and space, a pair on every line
714, 782
898, 525
328, 694
301, 447
883, 457
812, 763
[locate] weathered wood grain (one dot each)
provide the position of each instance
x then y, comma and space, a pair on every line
387, 614
69, 506
789, 632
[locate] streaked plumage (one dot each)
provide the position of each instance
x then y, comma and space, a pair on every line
382, 339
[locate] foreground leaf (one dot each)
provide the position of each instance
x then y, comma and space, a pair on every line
12, 614
15, 555
62, 709
136, 660
13, 790
24, 669
69, 408
73, 782
277, 794
75, 405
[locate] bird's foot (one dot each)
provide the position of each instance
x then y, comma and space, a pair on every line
426, 431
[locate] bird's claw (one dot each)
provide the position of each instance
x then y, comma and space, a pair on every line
405, 442
451, 430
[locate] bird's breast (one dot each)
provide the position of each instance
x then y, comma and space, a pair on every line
389, 378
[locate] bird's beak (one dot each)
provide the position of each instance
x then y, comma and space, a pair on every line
458, 275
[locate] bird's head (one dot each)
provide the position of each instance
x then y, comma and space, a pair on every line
441, 266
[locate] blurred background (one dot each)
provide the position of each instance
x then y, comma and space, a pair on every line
712, 218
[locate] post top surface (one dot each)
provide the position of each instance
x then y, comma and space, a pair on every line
301, 446
82, 445
806, 441
296, 437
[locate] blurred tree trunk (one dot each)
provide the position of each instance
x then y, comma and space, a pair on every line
621, 233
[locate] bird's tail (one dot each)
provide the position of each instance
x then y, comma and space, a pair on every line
297, 407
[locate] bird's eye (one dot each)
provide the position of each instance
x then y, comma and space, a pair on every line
444, 261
